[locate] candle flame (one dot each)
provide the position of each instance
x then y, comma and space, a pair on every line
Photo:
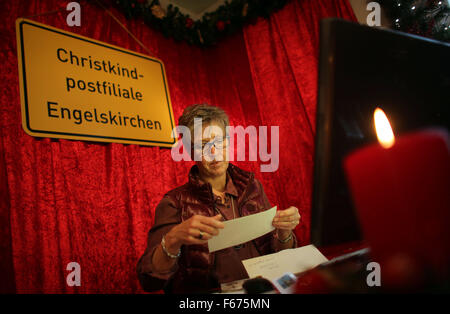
383, 129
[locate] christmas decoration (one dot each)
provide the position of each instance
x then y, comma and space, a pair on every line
220, 25
428, 18
157, 11
189, 22
245, 10
227, 19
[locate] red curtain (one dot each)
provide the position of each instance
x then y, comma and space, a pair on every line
92, 203
283, 55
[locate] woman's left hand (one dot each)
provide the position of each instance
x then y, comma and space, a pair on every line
286, 220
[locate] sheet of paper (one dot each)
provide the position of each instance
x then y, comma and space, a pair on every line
244, 229
273, 266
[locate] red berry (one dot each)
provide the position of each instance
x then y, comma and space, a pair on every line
220, 25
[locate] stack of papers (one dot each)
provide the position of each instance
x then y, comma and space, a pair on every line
271, 266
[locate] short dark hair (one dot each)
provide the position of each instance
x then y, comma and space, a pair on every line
205, 112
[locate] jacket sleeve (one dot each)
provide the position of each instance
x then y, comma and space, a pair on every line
166, 217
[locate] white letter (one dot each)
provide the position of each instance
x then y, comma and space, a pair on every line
198, 139
374, 18
230, 147
374, 278
240, 133
74, 17
207, 133
185, 140
274, 146
74, 277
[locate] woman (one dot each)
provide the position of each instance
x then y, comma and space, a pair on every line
177, 256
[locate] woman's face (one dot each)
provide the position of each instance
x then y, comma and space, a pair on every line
212, 145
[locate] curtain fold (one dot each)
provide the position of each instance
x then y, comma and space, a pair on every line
93, 203
283, 54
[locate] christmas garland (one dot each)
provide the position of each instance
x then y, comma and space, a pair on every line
213, 26
428, 18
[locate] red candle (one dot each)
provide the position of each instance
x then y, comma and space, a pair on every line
400, 189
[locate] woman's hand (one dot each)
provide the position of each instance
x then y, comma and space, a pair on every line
196, 230
286, 221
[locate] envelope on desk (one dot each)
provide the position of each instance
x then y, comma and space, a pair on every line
244, 229
273, 266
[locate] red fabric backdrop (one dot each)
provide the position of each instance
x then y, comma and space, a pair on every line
93, 203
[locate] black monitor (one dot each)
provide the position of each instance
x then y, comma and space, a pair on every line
361, 68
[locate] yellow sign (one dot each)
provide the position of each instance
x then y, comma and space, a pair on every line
74, 87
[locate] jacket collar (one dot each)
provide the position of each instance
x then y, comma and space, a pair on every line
241, 180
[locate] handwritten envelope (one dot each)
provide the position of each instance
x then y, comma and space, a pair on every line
273, 266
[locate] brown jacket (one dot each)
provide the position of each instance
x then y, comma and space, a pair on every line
195, 271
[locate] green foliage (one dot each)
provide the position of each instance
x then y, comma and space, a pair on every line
227, 19
429, 18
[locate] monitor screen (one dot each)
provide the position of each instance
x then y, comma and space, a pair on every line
362, 68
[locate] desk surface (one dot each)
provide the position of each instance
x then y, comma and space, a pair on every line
331, 252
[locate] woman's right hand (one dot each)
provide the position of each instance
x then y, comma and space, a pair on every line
188, 232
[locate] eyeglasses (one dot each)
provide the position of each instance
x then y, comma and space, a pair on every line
218, 143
